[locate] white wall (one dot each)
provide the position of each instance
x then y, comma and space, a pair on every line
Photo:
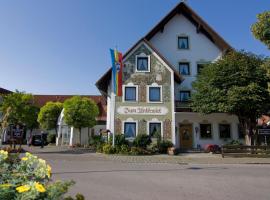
215, 119
85, 134
201, 48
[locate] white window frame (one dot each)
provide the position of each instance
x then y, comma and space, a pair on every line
142, 56
148, 94
130, 120
124, 92
155, 121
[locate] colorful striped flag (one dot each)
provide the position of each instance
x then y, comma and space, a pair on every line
117, 70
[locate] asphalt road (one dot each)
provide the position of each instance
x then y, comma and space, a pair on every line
99, 179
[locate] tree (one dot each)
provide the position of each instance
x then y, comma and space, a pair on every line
18, 108
48, 115
261, 29
80, 112
235, 84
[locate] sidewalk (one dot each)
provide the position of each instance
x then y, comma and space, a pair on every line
184, 158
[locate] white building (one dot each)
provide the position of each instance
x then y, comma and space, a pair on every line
157, 84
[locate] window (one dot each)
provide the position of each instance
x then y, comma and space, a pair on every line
142, 64
183, 42
206, 131
184, 68
155, 94
199, 67
154, 129
224, 131
184, 96
130, 93
130, 129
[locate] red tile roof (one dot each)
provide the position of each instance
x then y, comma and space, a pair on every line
41, 100
4, 91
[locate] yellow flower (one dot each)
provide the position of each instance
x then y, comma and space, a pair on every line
5, 185
28, 154
24, 158
49, 170
41, 161
23, 188
39, 187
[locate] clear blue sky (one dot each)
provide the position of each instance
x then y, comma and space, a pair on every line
62, 46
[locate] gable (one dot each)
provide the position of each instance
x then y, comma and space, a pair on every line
103, 83
200, 25
158, 73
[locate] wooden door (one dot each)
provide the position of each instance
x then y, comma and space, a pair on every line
186, 136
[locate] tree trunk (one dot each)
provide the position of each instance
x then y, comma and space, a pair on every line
248, 125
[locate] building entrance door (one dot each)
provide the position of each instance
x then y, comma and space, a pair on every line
186, 136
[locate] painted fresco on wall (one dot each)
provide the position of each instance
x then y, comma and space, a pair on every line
158, 74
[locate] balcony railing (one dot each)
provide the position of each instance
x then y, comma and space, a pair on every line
182, 106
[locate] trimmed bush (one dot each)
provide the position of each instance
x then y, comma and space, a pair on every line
95, 141
124, 149
164, 145
120, 140
108, 149
142, 141
139, 151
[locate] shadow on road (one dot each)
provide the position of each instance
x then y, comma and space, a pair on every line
141, 170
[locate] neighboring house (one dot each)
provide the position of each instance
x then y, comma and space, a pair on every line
157, 84
67, 135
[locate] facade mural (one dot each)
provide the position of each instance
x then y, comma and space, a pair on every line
159, 75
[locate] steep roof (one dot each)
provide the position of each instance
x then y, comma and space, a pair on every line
201, 25
41, 100
196, 20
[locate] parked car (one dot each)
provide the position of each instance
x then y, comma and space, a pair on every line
37, 141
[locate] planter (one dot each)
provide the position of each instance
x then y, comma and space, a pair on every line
172, 151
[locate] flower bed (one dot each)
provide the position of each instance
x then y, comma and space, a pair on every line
28, 178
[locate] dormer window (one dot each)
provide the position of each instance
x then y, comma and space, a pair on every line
183, 42
142, 63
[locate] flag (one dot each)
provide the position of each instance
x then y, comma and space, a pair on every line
117, 70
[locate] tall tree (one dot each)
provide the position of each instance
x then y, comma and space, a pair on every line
261, 29
49, 114
18, 108
80, 112
235, 84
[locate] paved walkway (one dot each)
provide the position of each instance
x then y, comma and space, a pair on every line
185, 158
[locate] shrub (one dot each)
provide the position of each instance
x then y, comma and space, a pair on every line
108, 149
139, 151
164, 145
51, 138
142, 141
235, 142
99, 148
96, 141
28, 177
120, 140
124, 149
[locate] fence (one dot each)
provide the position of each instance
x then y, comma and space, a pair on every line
245, 151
